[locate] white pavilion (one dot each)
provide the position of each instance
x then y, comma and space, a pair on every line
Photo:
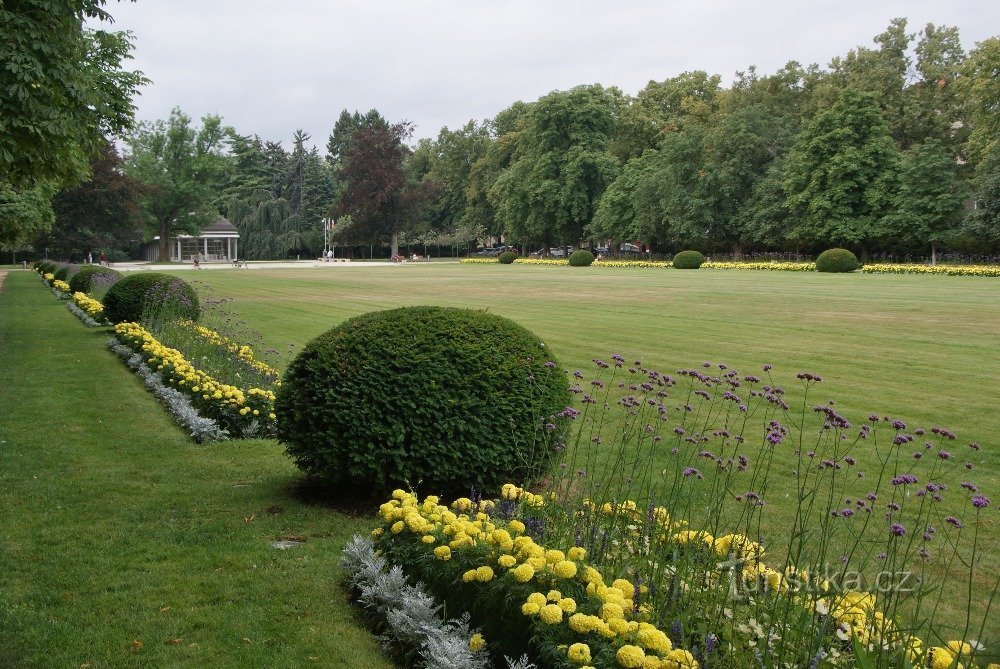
217, 241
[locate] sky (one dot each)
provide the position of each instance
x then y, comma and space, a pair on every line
270, 68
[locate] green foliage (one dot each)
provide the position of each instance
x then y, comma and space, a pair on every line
981, 88
64, 271
422, 394
179, 165
560, 167
927, 204
581, 258
82, 280
836, 260
984, 221
62, 89
688, 260
507, 257
841, 172
137, 294
24, 213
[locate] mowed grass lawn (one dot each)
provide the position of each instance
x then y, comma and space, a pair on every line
920, 348
124, 544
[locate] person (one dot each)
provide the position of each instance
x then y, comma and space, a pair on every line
90, 258
329, 255
197, 261
102, 259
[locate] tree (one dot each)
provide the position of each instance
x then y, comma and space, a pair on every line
452, 157
24, 213
980, 86
376, 194
102, 213
927, 202
345, 127
560, 168
840, 172
178, 166
62, 89
933, 108
983, 222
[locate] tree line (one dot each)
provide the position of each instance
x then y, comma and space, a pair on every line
890, 149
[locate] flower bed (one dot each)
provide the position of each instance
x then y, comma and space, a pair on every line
768, 266
949, 270
91, 308
241, 411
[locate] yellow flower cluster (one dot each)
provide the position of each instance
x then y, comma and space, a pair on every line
49, 276
92, 307
507, 552
58, 284
771, 265
175, 369
949, 270
479, 261
241, 351
660, 264
541, 261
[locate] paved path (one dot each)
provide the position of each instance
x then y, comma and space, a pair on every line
2, 275
291, 264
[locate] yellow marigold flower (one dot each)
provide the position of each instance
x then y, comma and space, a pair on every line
530, 609
398, 527
537, 562
678, 658
564, 569
591, 575
612, 611
580, 623
567, 604
477, 642
428, 538
537, 598
959, 648
630, 657
939, 658
552, 556
507, 561
442, 553
553, 595
619, 626
377, 532
551, 614
484, 574
578, 653
577, 553
516, 526
469, 576
654, 639
625, 586
523, 573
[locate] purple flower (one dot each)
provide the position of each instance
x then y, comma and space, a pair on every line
975, 446
691, 471
903, 479
767, 368
897, 530
980, 501
944, 455
971, 487
952, 520
550, 365
899, 425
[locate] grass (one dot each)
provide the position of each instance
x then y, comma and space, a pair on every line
914, 347
126, 545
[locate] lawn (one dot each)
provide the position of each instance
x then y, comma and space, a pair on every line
126, 518
919, 348
127, 545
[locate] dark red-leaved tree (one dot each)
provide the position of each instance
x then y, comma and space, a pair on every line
376, 194
101, 214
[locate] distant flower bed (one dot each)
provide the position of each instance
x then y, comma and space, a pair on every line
949, 270
242, 410
770, 266
90, 306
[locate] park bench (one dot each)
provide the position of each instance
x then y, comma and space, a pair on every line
239, 262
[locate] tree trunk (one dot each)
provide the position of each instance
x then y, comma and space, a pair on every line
798, 251
933, 253
163, 254
737, 251
864, 253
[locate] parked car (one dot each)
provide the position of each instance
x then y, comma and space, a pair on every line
488, 252
631, 248
554, 252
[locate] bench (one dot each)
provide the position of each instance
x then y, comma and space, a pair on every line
239, 262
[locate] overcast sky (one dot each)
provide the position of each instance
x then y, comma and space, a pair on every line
271, 67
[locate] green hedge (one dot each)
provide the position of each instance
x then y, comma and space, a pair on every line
688, 260
581, 258
507, 257
451, 398
140, 295
837, 260
82, 280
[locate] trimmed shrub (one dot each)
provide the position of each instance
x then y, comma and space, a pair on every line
63, 271
688, 260
47, 267
581, 258
83, 279
445, 397
507, 257
837, 260
138, 295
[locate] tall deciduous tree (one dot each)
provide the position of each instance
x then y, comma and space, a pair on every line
927, 202
345, 127
561, 166
983, 222
178, 165
981, 89
840, 172
101, 214
376, 194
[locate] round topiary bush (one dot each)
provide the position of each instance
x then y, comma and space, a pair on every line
507, 257
688, 260
837, 260
150, 294
63, 271
83, 279
423, 396
581, 258
46, 267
